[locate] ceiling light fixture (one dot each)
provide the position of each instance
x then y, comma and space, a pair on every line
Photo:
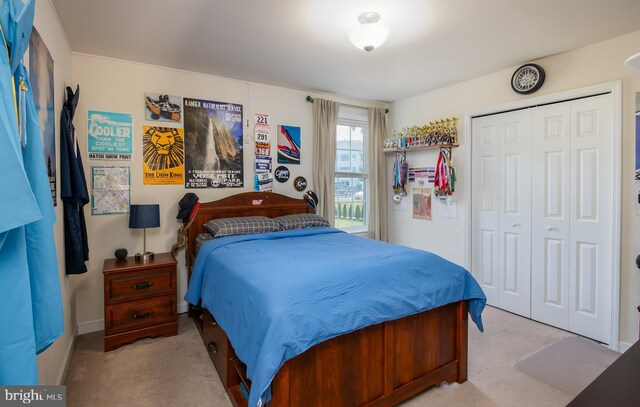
370, 34
633, 62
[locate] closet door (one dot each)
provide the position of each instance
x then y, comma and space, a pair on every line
591, 200
550, 228
501, 244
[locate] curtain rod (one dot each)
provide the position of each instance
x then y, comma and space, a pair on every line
310, 100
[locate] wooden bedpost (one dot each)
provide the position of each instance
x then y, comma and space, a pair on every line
462, 341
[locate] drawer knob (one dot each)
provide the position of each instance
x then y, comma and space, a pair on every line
214, 323
213, 347
139, 315
141, 286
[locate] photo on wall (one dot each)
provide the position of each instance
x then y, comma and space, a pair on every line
288, 144
163, 108
162, 155
41, 77
213, 144
422, 203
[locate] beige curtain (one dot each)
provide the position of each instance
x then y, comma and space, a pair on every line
377, 179
325, 121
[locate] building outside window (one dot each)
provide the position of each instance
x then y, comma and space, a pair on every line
351, 172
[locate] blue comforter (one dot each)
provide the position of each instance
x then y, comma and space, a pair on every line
278, 294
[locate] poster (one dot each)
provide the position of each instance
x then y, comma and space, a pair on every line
213, 144
110, 135
163, 108
110, 190
162, 155
41, 77
422, 203
288, 144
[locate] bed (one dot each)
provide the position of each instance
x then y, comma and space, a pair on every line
382, 363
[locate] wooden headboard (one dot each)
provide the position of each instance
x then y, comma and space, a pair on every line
267, 204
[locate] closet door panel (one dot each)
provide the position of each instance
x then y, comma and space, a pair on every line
550, 228
591, 218
485, 209
515, 212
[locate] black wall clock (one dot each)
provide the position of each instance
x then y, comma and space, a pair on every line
527, 79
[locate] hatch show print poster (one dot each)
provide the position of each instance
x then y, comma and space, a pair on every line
162, 155
213, 144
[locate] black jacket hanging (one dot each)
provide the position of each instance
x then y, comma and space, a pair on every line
73, 190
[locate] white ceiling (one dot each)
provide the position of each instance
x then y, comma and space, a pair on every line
303, 43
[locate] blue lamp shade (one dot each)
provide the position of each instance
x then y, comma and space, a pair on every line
144, 216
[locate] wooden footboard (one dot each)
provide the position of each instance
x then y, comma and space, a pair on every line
380, 365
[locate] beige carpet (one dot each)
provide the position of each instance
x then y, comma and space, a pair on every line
569, 364
176, 371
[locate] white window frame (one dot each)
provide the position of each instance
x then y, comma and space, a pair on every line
351, 122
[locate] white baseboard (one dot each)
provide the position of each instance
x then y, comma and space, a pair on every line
623, 346
87, 327
183, 307
64, 369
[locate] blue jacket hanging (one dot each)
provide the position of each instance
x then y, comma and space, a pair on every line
30, 301
73, 189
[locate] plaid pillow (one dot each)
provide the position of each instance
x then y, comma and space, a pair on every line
241, 226
201, 239
301, 221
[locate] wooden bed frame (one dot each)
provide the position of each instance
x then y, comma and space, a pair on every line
379, 365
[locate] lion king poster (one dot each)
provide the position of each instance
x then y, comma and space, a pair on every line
162, 155
213, 144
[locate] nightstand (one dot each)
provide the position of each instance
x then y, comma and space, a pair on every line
139, 299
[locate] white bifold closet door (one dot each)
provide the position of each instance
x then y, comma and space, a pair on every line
572, 181
567, 182
501, 214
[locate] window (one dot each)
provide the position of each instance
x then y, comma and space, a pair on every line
351, 172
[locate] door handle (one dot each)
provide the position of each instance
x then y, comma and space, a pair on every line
515, 225
549, 228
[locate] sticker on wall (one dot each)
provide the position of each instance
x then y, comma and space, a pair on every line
110, 190
263, 182
262, 119
41, 78
282, 174
162, 155
262, 135
163, 108
288, 144
110, 135
263, 163
428, 173
300, 184
263, 149
422, 203
213, 144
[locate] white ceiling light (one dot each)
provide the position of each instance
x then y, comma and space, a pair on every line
633, 62
370, 34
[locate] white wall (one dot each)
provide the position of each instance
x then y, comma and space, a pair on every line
116, 85
52, 362
594, 64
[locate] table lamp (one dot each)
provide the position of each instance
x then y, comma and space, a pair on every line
143, 217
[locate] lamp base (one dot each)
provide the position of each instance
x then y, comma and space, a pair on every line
144, 256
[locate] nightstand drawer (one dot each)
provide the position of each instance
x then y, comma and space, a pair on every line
136, 284
140, 314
